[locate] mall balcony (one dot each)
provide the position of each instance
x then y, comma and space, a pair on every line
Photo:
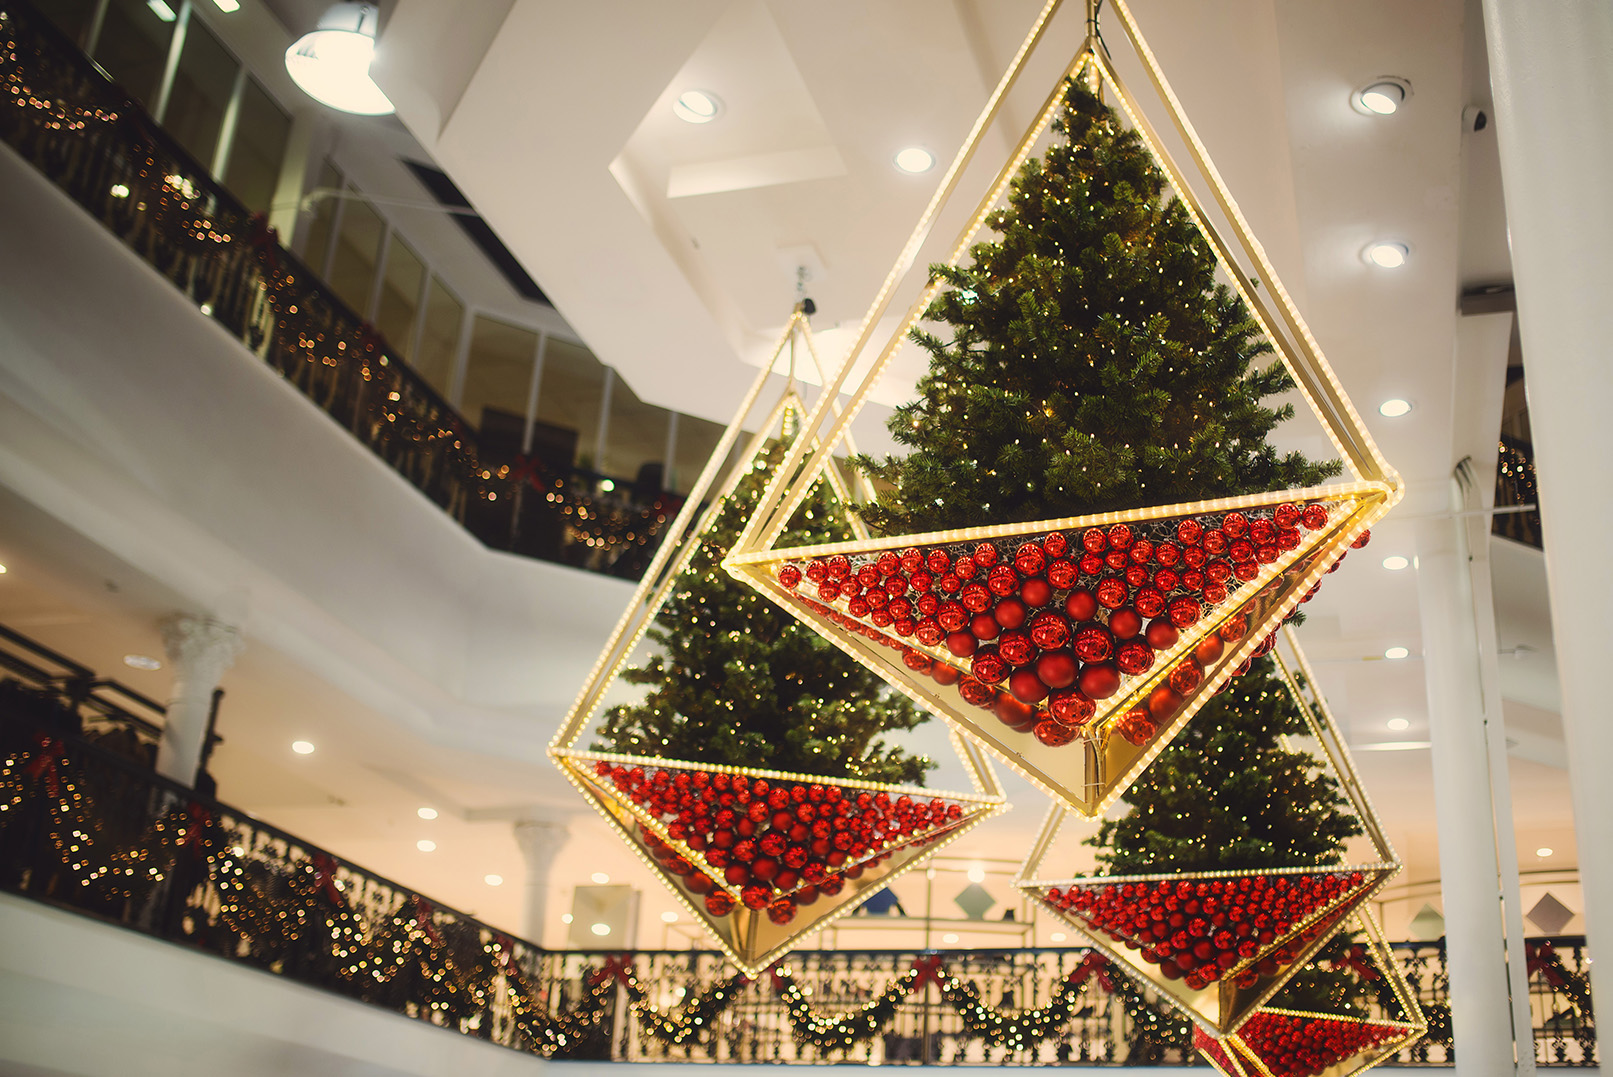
333, 447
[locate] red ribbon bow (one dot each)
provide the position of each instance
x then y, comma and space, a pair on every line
423, 915
621, 967
1355, 959
1092, 965
46, 765
929, 972
197, 820
325, 878
1542, 958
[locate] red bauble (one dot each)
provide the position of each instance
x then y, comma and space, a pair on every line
1364, 538
929, 633
1164, 702
1093, 643
938, 562
1081, 604
944, 674
1134, 657
962, 644
1002, 580
1030, 559
1011, 712
1314, 516
975, 597
1009, 612
1100, 681
1027, 686
756, 897
781, 911
718, 903
1057, 669
1036, 592
985, 555
1150, 602
1137, 727
918, 661
1091, 564
1235, 524
764, 870
975, 693
984, 626
1125, 623
1050, 631
1208, 650
698, 883
1184, 611
1286, 514
1161, 635
988, 665
1071, 708
1234, 628
1054, 734
1215, 542
1188, 532
912, 560
789, 576
1063, 574
1094, 540
1055, 544
1016, 647
1119, 537
952, 616
1186, 677
1112, 594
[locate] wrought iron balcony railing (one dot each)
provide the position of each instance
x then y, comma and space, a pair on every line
89, 829
66, 117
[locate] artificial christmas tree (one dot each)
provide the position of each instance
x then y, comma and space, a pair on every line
749, 772
1092, 532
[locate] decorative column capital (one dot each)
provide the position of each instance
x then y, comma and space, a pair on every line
200, 649
540, 839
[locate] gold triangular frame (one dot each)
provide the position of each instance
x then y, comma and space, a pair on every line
752, 945
1220, 1009
756, 556
1412, 1024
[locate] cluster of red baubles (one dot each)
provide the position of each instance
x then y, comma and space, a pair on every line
1308, 1046
1200, 930
1051, 627
781, 843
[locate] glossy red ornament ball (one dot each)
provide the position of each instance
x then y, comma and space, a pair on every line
1186, 677
781, 911
1016, 647
944, 674
962, 644
1081, 604
1189, 532
951, 616
1184, 611
1063, 574
939, 562
789, 576
1314, 516
718, 903
1164, 702
1364, 538
965, 568
975, 598
1057, 669
917, 660
1051, 630
1055, 544
1286, 514
1091, 564
1120, 537
975, 692
1137, 727
1235, 524
1112, 594
1071, 708
1094, 540
1012, 712
988, 665
1099, 681
1093, 643
985, 555
1054, 734
1134, 657
1029, 559
1208, 650
1125, 623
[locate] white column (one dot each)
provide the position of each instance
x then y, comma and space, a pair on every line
540, 842
199, 652
1551, 75
1481, 1008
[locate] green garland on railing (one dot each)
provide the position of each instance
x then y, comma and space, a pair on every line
693, 1019
1018, 1031
846, 1030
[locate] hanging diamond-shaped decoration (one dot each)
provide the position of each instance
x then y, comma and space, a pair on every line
762, 857
1220, 944
1075, 648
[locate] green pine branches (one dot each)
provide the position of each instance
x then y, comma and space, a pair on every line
1086, 360
738, 681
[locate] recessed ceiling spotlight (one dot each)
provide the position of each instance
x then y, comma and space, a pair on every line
1395, 563
427, 813
1381, 97
493, 880
141, 661
915, 160
696, 106
302, 747
1394, 653
1399, 725
1544, 851
1057, 936
565, 918
600, 878
669, 917
949, 938
600, 929
1394, 407
977, 873
1386, 255
426, 845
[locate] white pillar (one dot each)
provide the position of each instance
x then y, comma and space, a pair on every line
1551, 76
540, 842
199, 653
1480, 996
